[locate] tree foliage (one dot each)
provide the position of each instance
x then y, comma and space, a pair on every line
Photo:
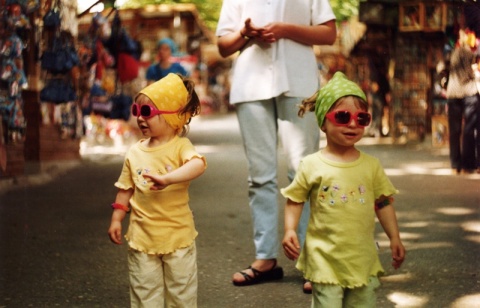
344, 9
209, 10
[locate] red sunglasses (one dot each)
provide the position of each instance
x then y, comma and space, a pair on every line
344, 117
148, 111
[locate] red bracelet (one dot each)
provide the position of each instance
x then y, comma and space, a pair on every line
120, 207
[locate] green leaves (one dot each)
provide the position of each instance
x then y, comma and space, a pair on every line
344, 9
209, 10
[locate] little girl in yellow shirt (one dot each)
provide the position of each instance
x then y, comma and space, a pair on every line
153, 188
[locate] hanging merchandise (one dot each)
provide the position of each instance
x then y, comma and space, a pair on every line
58, 62
121, 104
126, 50
52, 18
12, 47
127, 67
61, 57
16, 19
28, 6
13, 26
57, 91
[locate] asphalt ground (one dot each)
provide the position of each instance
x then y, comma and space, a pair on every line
55, 252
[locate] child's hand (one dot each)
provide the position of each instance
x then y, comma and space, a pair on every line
159, 181
290, 244
115, 232
398, 253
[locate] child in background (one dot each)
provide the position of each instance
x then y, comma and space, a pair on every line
346, 189
153, 187
166, 47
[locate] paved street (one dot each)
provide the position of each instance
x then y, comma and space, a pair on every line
55, 252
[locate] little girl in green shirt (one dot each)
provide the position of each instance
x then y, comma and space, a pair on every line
346, 189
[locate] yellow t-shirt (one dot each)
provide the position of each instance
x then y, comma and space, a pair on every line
160, 221
339, 246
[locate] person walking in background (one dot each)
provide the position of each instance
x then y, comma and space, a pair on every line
165, 47
379, 94
463, 103
472, 22
275, 66
346, 188
153, 188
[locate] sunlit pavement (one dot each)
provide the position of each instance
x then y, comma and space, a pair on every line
55, 251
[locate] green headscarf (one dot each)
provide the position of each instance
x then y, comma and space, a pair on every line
338, 87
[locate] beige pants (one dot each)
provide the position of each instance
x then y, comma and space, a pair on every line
168, 280
334, 296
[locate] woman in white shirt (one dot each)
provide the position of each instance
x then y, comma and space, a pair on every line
274, 71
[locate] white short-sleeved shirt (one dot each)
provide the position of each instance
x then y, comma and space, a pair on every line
284, 67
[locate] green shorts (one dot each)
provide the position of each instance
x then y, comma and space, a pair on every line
335, 296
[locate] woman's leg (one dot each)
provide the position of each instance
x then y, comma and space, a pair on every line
258, 126
299, 137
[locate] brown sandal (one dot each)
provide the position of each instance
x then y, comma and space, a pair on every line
258, 277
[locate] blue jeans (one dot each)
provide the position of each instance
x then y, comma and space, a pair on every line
263, 125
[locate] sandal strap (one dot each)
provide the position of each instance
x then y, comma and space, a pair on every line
255, 272
247, 276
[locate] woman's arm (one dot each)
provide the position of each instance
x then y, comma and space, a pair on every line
234, 41
323, 34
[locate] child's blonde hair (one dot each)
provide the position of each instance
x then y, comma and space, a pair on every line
193, 106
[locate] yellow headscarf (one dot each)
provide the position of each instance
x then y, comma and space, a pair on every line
169, 94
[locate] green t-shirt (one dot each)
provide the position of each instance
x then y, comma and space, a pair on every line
339, 247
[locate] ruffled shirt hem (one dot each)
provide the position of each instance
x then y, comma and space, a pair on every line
153, 252
350, 285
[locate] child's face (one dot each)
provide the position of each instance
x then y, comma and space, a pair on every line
155, 126
346, 135
164, 52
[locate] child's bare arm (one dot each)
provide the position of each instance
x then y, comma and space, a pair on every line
290, 243
189, 171
115, 230
388, 219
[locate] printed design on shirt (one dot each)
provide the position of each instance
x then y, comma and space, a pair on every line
167, 169
362, 190
336, 195
147, 170
140, 178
